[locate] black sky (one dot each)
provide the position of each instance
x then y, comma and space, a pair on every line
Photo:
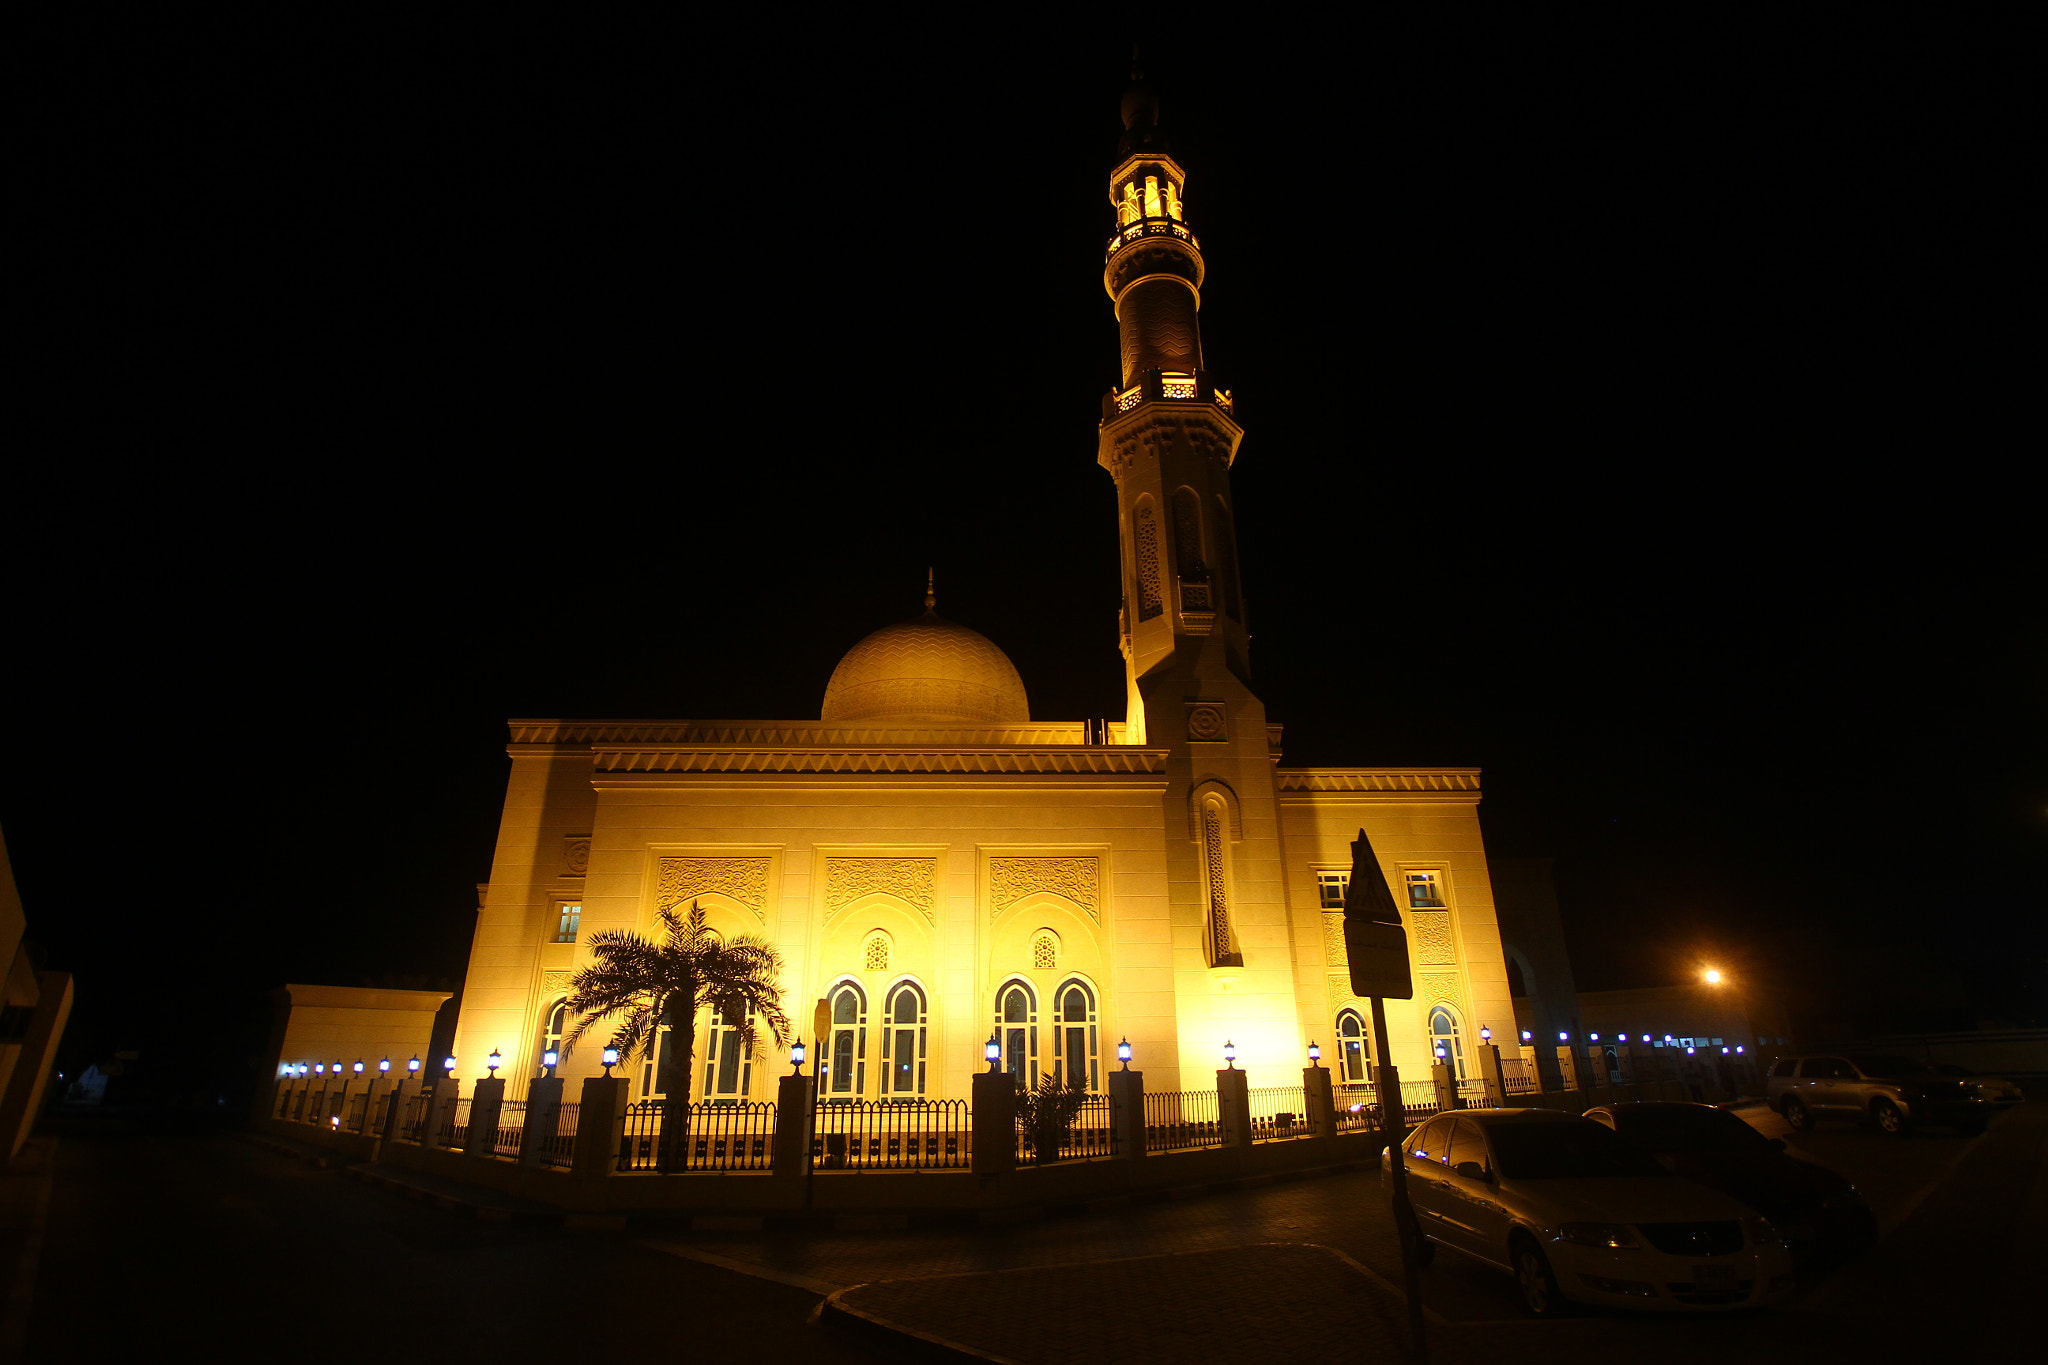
1637, 411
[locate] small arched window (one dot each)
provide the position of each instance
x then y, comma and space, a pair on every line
1017, 1030
552, 1020
1444, 1041
1351, 1044
903, 1042
846, 1075
1074, 1037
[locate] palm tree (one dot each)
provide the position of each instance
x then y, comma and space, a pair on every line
643, 984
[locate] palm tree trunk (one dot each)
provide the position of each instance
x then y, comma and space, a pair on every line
675, 1118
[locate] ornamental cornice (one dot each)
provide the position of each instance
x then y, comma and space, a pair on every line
617, 733
1076, 759
1378, 779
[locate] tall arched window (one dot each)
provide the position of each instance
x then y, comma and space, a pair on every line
551, 1021
1216, 878
1145, 548
728, 1063
1443, 1035
1074, 1038
1187, 537
846, 1076
1017, 1030
1351, 1041
903, 1042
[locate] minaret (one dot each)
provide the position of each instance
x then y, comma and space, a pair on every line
1167, 434
1168, 438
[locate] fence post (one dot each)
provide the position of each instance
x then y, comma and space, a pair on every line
440, 1109
1234, 1107
1446, 1087
486, 1106
543, 1113
1127, 1112
1568, 1068
994, 1116
1490, 1072
597, 1125
1320, 1101
796, 1098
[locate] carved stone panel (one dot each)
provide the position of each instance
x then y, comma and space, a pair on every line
1435, 946
1340, 991
1334, 954
554, 984
914, 880
1206, 722
576, 855
1431, 986
743, 879
1078, 879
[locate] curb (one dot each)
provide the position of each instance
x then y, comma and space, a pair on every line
901, 1342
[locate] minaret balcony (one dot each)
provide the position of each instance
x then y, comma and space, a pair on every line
1150, 227
1165, 386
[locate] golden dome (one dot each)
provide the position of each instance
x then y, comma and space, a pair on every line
930, 671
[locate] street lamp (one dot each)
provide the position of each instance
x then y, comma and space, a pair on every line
1315, 1054
1485, 1034
1563, 1036
548, 1060
493, 1062
1123, 1052
796, 1057
1526, 1035
1712, 976
1229, 1055
449, 1065
384, 1069
992, 1050
611, 1059
319, 1068
412, 1068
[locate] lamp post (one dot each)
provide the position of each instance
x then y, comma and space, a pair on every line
1485, 1034
412, 1068
1123, 1053
993, 1050
611, 1059
493, 1062
384, 1069
1229, 1055
449, 1066
1315, 1053
796, 1057
548, 1060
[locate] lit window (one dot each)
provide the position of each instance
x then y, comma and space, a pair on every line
878, 953
903, 1042
846, 1065
728, 1063
1350, 1047
1017, 1029
567, 917
552, 1020
1074, 1038
1425, 890
1045, 953
1152, 209
1443, 1033
1330, 887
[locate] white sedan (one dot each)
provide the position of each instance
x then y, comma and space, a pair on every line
1574, 1212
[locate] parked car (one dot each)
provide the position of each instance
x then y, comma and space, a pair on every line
1896, 1094
1812, 1207
1574, 1212
2000, 1093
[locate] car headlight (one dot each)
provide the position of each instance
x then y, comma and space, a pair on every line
1761, 1233
1598, 1234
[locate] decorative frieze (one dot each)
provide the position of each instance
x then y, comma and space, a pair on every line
743, 879
1378, 779
1430, 932
1433, 986
1078, 879
913, 880
1104, 759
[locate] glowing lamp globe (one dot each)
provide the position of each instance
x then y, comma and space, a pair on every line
796, 1055
384, 1067
1229, 1054
1526, 1035
413, 1067
449, 1065
1485, 1034
993, 1051
1315, 1052
548, 1060
1123, 1052
611, 1059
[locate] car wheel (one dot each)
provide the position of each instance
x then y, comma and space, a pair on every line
1887, 1117
1536, 1281
1796, 1116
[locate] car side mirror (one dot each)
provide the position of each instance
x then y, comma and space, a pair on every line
1470, 1170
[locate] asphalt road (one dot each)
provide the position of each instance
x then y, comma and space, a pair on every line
190, 1247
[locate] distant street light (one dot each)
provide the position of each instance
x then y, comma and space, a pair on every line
1712, 976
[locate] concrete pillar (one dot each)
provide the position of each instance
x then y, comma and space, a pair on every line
1446, 1083
600, 1118
796, 1100
1567, 1068
1234, 1107
1320, 1100
403, 1092
994, 1108
485, 1109
1127, 1112
543, 1113
440, 1107
1490, 1072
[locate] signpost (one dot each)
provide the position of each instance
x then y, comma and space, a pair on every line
1376, 946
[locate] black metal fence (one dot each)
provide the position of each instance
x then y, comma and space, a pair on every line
1279, 1112
890, 1135
455, 1129
1092, 1134
721, 1136
1176, 1119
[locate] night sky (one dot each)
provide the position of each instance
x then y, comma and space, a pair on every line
1637, 410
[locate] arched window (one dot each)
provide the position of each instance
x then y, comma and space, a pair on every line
1443, 1036
1017, 1030
1187, 537
1045, 951
728, 1063
552, 1020
1074, 1036
903, 1042
1145, 548
1216, 878
846, 1065
1351, 1041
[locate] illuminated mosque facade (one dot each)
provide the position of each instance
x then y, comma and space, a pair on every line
939, 868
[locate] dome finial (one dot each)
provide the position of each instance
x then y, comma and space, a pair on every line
930, 603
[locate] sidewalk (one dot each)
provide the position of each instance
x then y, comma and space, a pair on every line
1313, 1304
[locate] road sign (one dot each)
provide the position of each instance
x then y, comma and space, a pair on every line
1374, 941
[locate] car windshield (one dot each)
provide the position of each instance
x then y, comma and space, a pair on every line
1884, 1064
1565, 1151
1689, 1128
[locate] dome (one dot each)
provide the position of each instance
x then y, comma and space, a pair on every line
930, 671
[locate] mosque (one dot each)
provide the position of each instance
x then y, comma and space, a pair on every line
938, 867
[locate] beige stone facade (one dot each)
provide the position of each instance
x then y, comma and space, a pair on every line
929, 852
